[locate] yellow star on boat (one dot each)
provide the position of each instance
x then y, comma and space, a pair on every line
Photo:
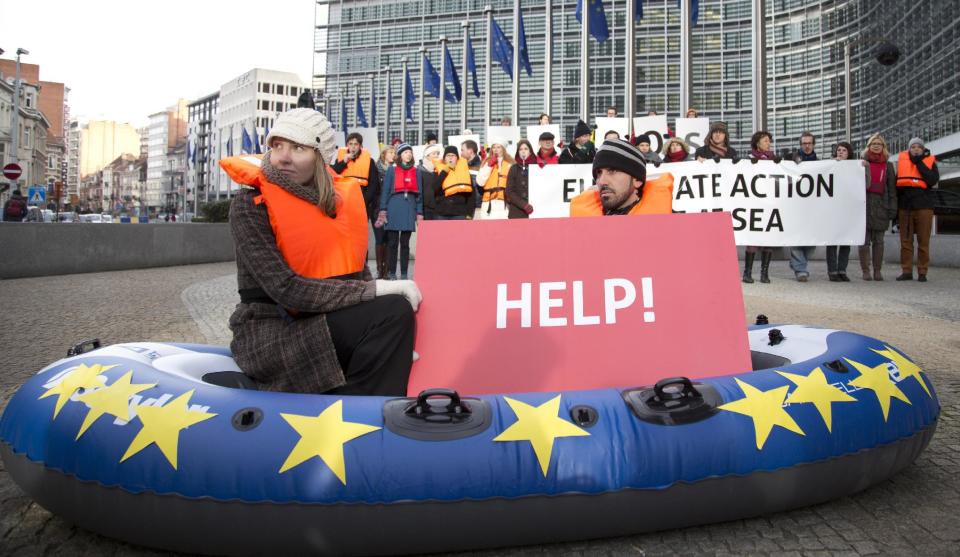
324, 436
540, 425
162, 426
906, 367
84, 377
765, 408
877, 379
814, 388
113, 400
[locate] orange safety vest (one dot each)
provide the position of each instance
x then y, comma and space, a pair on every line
313, 244
496, 183
358, 168
457, 180
907, 174
657, 200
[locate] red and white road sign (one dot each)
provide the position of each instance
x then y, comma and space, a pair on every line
12, 171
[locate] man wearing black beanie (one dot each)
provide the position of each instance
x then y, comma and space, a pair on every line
620, 185
580, 150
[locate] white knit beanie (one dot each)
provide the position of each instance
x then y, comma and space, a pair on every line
433, 148
306, 127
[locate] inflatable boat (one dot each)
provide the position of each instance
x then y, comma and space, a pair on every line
170, 446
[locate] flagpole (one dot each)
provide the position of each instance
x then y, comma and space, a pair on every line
373, 107
386, 119
423, 74
356, 102
548, 60
488, 73
463, 105
631, 95
760, 66
585, 61
403, 97
515, 95
443, 87
686, 75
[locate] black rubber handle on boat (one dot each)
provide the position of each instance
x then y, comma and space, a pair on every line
421, 406
686, 391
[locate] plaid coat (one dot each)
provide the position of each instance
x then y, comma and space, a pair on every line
279, 354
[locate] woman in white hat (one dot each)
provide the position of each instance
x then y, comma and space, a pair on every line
492, 179
310, 319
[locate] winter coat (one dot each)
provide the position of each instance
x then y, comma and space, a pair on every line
371, 192
652, 157
16, 203
456, 205
882, 208
402, 208
518, 180
706, 153
431, 183
578, 155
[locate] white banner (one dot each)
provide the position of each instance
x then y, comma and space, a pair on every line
604, 125
788, 204
533, 134
504, 135
654, 126
457, 140
693, 131
370, 141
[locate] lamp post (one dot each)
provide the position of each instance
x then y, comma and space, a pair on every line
887, 55
15, 121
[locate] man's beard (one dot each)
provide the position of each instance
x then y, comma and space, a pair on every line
611, 203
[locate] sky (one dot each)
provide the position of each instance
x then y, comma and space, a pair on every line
126, 60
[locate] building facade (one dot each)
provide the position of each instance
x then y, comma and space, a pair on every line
33, 128
103, 141
805, 39
203, 173
167, 131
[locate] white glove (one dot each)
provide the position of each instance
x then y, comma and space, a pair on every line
406, 288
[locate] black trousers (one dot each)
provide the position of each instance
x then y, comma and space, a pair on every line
402, 238
374, 344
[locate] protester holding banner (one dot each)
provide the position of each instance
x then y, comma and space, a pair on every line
917, 175
547, 154
838, 256
676, 150
800, 255
692, 113
760, 149
401, 206
518, 180
806, 152
431, 180
544, 119
454, 199
717, 145
621, 186
643, 145
580, 150
310, 320
493, 180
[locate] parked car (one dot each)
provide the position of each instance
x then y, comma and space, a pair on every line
106, 217
93, 217
68, 216
36, 214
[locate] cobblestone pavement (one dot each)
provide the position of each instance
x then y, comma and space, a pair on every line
914, 513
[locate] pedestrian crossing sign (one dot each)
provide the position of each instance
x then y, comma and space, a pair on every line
36, 196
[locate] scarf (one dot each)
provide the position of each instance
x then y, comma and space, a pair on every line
524, 163
763, 155
678, 156
805, 157
878, 174
306, 192
720, 150
548, 158
405, 179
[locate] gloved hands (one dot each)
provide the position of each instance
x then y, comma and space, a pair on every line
406, 288
381, 220
492, 161
528, 208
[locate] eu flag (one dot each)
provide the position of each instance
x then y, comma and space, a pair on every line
598, 20
432, 82
451, 73
638, 11
360, 115
411, 96
256, 142
501, 50
246, 146
472, 66
524, 55
694, 10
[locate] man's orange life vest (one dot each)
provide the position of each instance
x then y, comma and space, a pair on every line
907, 174
457, 180
657, 200
496, 183
358, 168
313, 244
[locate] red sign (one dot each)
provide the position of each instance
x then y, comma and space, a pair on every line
566, 304
12, 171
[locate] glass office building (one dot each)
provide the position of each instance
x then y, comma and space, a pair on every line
357, 39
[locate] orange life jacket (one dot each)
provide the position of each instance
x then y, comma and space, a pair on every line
358, 168
496, 183
657, 200
907, 174
313, 244
457, 179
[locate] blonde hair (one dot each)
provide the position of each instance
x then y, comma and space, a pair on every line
877, 137
506, 154
383, 153
327, 196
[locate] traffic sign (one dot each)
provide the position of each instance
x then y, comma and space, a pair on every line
12, 171
36, 195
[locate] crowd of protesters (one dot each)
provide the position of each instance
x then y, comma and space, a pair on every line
466, 182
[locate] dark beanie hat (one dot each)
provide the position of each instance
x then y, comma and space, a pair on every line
643, 138
431, 137
451, 150
618, 154
581, 129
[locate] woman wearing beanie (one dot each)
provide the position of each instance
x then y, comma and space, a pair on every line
881, 182
455, 198
676, 150
581, 149
493, 180
310, 319
760, 149
401, 206
717, 145
430, 180
518, 180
